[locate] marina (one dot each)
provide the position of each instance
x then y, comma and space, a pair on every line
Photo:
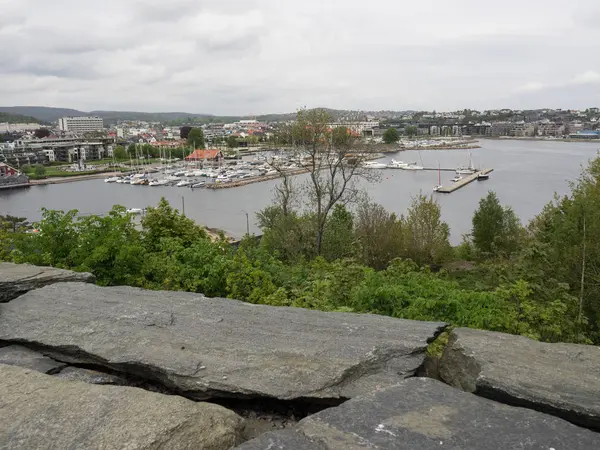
536, 168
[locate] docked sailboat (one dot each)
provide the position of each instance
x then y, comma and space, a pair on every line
469, 170
111, 179
439, 185
184, 183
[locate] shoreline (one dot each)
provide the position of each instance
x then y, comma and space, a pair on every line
60, 180
541, 139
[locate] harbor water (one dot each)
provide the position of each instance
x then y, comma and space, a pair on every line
526, 176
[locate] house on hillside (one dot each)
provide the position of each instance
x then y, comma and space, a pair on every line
213, 156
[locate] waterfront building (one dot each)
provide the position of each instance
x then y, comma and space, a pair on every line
81, 124
52, 148
214, 156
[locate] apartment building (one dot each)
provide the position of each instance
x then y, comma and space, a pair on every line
80, 124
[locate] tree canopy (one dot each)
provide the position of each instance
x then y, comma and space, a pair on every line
391, 136
232, 142
120, 153
196, 138
496, 229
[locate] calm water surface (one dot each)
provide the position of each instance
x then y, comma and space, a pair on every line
526, 175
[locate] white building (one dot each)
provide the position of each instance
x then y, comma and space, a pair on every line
80, 124
6, 127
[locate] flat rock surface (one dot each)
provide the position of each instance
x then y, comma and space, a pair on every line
43, 412
211, 347
425, 414
90, 376
16, 279
560, 379
17, 355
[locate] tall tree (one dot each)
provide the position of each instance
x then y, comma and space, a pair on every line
196, 138
184, 132
120, 153
427, 236
232, 142
496, 229
332, 164
411, 130
391, 136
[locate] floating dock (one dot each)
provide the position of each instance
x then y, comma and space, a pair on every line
466, 180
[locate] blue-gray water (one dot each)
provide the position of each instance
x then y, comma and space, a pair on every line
526, 175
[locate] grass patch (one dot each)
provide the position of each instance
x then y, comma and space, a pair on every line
436, 348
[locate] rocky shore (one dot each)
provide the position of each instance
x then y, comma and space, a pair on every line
83, 366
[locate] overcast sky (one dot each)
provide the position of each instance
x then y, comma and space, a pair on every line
261, 56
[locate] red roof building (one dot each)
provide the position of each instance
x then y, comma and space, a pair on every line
205, 155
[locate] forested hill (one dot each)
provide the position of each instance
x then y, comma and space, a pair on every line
17, 118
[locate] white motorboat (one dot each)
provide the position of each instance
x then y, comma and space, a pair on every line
412, 167
271, 172
135, 211
199, 185
437, 188
171, 178
138, 181
161, 182
111, 179
457, 178
180, 173
183, 183
397, 164
374, 165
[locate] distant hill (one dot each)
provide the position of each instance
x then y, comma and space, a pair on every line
41, 113
17, 118
47, 114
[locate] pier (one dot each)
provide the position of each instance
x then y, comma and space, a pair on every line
466, 180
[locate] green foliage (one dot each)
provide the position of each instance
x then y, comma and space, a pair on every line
232, 142
14, 224
120, 153
391, 136
411, 130
163, 222
496, 229
39, 170
426, 236
338, 237
196, 138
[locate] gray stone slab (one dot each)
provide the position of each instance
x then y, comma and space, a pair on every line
559, 379
17, 355
16, 279
90, 376
211, 347
426, 414
44, 412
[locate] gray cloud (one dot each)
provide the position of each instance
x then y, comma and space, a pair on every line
258, 56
